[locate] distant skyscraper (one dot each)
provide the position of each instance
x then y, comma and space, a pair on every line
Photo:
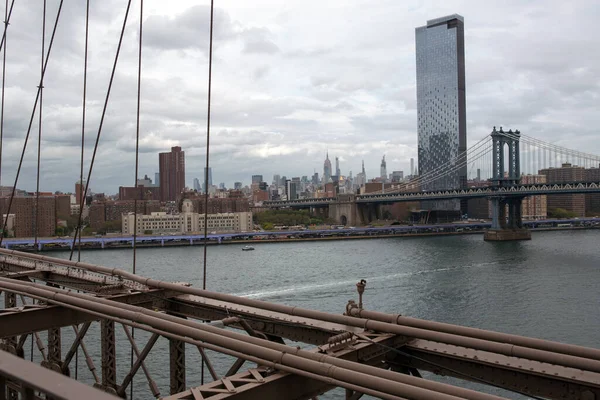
257, 178
440, 48
291, 190
172, 173
337, 167
383, 171
315, 178
237, 185
412, 166
327, 169
276, 179
197, 186
79, 188
156, 179
210, 181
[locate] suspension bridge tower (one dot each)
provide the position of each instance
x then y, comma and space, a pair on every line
507, 221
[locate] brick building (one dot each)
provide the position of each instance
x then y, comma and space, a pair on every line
63, 206
232, 204
575, 203
26, 218
139, 193
172, 173
534, 207
592, 201
111, 211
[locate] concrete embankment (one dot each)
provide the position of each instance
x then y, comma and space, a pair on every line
333, 235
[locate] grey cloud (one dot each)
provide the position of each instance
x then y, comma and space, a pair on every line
256, 40
189, 30
284, 93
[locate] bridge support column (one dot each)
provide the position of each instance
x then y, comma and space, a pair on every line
10, 344
505, 226
177, 364
109, 357
54, 361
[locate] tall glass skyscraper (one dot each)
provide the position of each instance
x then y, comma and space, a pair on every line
440, 48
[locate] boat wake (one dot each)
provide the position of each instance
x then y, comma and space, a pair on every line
276, 292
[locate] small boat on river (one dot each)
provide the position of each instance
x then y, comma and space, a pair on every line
247, 248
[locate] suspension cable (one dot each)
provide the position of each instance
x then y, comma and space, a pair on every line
37, 97
6, 18
137, 152
36, 218
83, 110
210, 51
112, 77
3, 43
207, 142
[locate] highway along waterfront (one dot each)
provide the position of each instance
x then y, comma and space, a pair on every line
546, 287
292, 234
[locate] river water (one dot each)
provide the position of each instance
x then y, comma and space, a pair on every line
546, 287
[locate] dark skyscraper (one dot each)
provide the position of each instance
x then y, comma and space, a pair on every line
337, 167
172, 173
440, 47
209, 177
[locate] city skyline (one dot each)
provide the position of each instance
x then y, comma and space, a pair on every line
342, 93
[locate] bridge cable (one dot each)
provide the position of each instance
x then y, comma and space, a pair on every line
6, 18
32, 115
36, 217
137, 158
210, 52
112, 77
442, 174
441, 171
83, 111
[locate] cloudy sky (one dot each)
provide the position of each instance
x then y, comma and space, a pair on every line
291, 80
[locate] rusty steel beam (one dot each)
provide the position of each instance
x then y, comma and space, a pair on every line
521, 375
25, 374
259, 383
139, 362
306, 330
264, 384
30, 319
533, 343
177, 366
290, 359
109, 357
140, 315
79, 343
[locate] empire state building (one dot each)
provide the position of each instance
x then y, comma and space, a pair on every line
326, 170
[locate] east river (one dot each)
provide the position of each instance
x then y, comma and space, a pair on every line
547, 287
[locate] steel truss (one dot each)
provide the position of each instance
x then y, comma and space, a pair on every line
363, 351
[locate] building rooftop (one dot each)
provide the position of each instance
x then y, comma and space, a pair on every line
437, 21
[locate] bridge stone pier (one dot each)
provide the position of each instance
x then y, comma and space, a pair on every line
345, 211
507, 223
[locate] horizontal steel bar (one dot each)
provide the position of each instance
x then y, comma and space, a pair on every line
41, 379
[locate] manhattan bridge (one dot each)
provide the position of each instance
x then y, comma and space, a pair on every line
57, 308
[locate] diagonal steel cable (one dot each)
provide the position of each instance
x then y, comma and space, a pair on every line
3, 44
37, 97
110, 83
36, 219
